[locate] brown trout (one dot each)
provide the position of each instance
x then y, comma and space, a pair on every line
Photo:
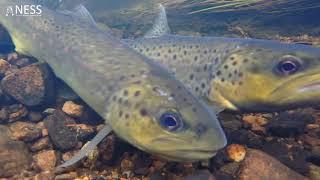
139, 100
237, 74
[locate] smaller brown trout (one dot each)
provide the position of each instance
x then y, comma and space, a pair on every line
237, 74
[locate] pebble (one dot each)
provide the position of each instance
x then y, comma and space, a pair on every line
200, 175
35, 116
46, 160
14, 158
259, 165
314, 172
236, 152
4, 67
72, 109
16, 112
288, 124
63, 137
31, 85
230, 168
25, 131
84, 132
4, 115
40, 144
5, 134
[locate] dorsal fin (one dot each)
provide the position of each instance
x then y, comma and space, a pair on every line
60, 4
81, 12
160, 26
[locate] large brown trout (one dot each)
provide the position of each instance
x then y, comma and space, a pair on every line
139, 100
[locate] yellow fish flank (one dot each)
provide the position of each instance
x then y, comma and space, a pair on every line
142, 102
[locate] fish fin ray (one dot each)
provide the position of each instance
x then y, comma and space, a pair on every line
87, 148
80, 12
160, 26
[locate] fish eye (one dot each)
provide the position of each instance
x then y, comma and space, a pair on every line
171, 121
288, 65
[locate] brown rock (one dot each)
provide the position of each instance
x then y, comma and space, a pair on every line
236, 152
14, 158
30, 85
72, 109
16, 112
35, 116
25, 131
4, 115
44, 176
41, 144
84, 132
259, 165
4, 67
5, 134
46, 160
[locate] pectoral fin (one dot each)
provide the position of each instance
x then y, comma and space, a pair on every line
86, 149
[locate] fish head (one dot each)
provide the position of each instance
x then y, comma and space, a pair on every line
268, 76
160, 116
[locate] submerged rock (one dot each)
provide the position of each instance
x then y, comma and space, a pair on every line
14, 158
72, 109
4, 67
63, 137
289, 124
25, 131
31, 85
259, 165
46, 160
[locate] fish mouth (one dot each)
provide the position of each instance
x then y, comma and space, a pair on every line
315, 86
188, 155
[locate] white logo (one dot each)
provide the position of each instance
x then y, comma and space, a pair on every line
24, 10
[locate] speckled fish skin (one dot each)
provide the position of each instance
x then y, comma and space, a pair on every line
238, 74
130, 92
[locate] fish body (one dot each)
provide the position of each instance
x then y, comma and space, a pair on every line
236, 74
141, 101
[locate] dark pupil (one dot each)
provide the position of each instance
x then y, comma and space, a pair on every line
288, 66
170, 121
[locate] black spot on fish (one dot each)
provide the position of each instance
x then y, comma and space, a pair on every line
216, 60
232, 58
222, 79
175, 56
234, 63
240, 83
185, 52
235, 71
218, 73
126, 116
194, 109
120, 114
125, 92
195, 58
114, 98
225, 66
230, 75
203, 85
240, 74
122, 78
245, 60
143, 112
191, 76
126, 102
205, 67
214, 50
120, 100
158, 54
196, 89
169, 51
205, 51
137, 93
